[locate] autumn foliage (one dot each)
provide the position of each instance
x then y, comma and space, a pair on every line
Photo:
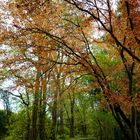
49, 46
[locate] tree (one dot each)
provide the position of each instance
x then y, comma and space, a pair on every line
69, 32
3, 124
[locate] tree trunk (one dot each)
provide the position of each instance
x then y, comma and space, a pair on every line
134, 128
54, 120
72, 103
34, 119
42, 123
61, 122
42, 112
27, 136
34, 133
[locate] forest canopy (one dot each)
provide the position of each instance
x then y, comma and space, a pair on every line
70, 69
